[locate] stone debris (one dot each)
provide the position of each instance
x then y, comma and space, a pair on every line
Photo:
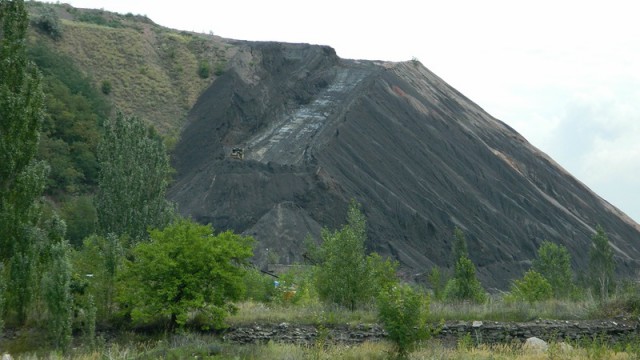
482, 332
535, 345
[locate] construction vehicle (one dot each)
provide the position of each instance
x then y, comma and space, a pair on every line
237, 153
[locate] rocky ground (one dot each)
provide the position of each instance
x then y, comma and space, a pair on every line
486, 332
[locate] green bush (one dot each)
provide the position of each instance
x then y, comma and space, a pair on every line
532, 288
403, 313
204, 69
297, 286
105, 87
465, 286
259, 286
219, 69
49, 23
185, 269
554, 264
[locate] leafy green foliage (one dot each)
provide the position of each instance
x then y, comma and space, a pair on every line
56, 287
219, 68
70, 132
185, 268
81, 218
404, 312
465, 286
49, 23
459, 246
98, 17
260, 287
105, 87
436, 279
134, 171
296, 286
204, 69
22, 179
601, 263
382, 273
554, 264
532, 288
96, 267
3, 289
345, 275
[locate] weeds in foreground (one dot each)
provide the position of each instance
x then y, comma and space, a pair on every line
193, 346
492, 310
314, 314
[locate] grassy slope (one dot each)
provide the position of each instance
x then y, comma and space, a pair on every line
153, 70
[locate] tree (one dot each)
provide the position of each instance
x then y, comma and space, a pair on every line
465, 286
22, 179
404, 313
437, 282
601, 263
532, 288
101, 257
3, 291
182, 269
81, 218
554, 264
346, 276
459, 246
56, 285
343, 271
133, 179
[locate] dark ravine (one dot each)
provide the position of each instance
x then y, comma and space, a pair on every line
487, 332
420, 157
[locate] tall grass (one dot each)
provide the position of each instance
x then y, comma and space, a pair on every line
492, 310
312, 314
192, 346
496, 309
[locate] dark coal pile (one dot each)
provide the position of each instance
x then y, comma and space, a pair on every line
316, 131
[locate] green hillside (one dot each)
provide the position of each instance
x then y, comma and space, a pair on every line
146, 70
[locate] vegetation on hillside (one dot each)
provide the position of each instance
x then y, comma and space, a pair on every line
143, 68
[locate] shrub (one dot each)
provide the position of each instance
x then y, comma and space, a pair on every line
106, 87
403, 312
204, 69
185, 269
259, 286
49, 23
532, 288
465, 286
554, 264
220, 66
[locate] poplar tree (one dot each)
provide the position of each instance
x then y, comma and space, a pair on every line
601, 263
343, 275
22, 178
459, 249
134, 172
56, 285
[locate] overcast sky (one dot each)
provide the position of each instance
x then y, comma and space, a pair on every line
565, 74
